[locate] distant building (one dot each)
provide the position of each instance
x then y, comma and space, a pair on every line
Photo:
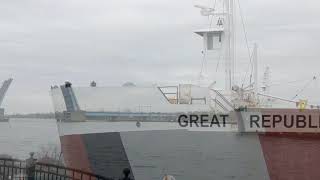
129, 84
93, 84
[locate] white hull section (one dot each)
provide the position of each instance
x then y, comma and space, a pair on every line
92, 127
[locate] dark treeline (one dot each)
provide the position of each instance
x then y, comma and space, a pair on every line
33, 115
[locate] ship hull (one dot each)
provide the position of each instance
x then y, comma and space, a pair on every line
154, 149
183, 154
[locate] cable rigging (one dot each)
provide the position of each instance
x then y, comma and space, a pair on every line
247, 44
304, 87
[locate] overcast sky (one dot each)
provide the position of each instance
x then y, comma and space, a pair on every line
45, 42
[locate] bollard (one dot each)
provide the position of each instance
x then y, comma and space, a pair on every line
126, 173
31, 167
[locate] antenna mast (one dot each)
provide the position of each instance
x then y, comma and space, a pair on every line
221, 38
230, 48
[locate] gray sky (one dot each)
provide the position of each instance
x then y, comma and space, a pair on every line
45, 42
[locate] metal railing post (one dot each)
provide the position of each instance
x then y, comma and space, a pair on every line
126, 173
31, 167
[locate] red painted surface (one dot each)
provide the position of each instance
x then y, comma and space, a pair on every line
291, 156
74, 152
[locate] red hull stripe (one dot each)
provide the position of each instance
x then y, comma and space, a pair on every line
291, 156
74, 152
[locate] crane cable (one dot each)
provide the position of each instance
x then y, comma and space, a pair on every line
247, 43
214, 6
304, 87
220, 53
287, 83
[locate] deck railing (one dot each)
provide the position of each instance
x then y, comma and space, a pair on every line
14, 169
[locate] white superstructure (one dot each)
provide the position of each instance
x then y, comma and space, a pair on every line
218, 44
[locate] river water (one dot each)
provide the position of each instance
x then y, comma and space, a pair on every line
18, 137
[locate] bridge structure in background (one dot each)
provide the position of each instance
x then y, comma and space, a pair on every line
3, 90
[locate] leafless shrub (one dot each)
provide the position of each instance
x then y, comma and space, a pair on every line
5, 156
49, 154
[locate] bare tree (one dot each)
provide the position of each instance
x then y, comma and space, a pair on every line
5, 156
50, 154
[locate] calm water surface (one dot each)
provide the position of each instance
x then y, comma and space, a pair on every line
18, 137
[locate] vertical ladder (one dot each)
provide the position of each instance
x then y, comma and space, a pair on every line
221, 102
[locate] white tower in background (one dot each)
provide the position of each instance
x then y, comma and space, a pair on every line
266, 81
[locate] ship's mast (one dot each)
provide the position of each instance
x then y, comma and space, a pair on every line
230, 48
221, 38
255, 62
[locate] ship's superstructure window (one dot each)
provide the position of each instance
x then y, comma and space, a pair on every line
214, 41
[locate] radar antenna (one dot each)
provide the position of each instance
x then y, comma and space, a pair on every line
205, 11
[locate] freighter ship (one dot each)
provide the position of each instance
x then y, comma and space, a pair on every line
150, 131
